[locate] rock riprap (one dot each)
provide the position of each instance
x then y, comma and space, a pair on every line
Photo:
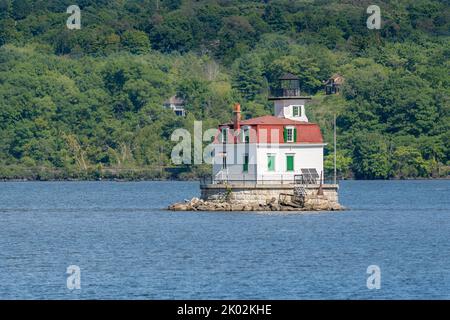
311, 203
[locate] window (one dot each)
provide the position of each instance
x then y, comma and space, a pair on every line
224, 135
246, 135
270, 162
289, 162
290, 134
296, 111
224, 161
245, 167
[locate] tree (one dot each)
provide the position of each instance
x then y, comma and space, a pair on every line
5, 8
195, 92
8, 32
136, 42
174, 33
275, 16
408, 162
343, 164
407, 102
235, 36
21, 9
370, 157
248, 76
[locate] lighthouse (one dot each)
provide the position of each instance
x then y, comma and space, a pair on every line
274, 148
274, 162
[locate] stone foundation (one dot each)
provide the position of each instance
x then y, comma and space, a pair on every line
261, 194
216, 197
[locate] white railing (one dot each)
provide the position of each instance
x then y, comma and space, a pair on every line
263, 179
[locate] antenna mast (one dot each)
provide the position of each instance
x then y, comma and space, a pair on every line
335, 180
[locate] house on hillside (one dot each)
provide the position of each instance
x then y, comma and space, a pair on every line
334, 83
176, 104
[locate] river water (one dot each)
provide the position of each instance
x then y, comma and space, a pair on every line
128, 247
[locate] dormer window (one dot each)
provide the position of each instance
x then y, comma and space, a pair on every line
296, 112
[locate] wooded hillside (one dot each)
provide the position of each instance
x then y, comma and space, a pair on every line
88, 103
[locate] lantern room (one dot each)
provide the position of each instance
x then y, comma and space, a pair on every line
288, 86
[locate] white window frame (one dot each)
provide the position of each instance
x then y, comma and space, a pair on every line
299, 113
224, 137
274, 155
245, 131
290, 129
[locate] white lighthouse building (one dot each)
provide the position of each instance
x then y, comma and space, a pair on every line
268, 163
272, 149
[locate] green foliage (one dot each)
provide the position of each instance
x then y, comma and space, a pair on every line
173, 32
75, 114
136, 41
88, 103
343, 164
248, 77
408, 162
370, 157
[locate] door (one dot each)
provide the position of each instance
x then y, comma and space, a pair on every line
270, 162
245, 167
290, 162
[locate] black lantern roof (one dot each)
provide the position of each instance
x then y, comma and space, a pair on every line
288, 87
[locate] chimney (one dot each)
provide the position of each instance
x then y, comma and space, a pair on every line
237, 117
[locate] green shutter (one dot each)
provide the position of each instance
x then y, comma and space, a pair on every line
295, 134
285, 135
271, 163
245, 167
290, 163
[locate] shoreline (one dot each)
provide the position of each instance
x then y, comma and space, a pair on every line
184, 180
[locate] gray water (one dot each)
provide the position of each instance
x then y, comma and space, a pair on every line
128, 247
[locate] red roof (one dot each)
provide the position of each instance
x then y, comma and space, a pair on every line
310, 134
307, 132
271, 120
